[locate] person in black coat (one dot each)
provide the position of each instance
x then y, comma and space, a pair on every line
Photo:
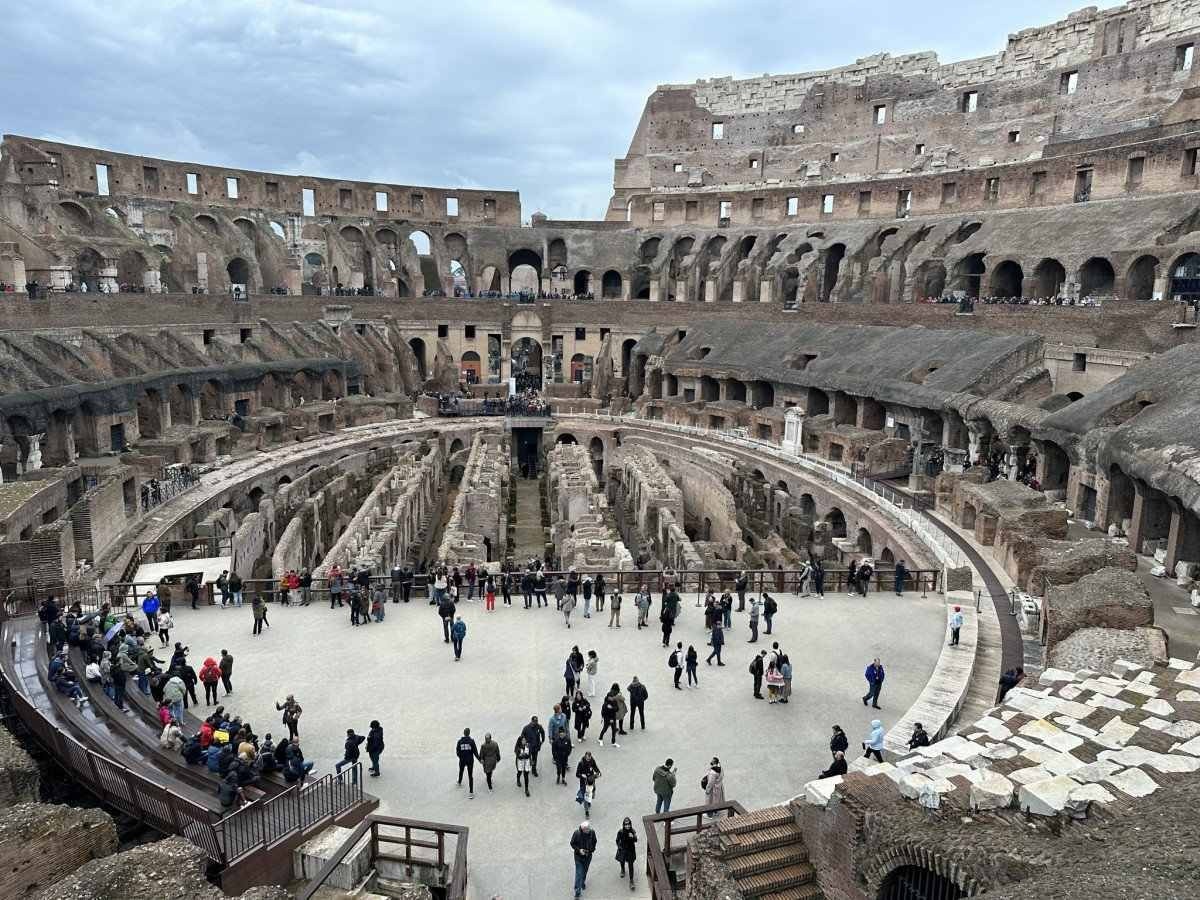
638, 695
920, 737
583, 714
627, 848
467, 752
838, 743
350, 755
535, 736
583, 843
837, 767
584, 768
560, 749
375, 745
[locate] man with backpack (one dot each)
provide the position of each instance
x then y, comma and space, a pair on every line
675, 661
769, 608
756, 669
446, 610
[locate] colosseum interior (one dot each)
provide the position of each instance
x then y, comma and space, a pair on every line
904, 311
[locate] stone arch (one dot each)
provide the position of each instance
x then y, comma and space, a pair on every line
639, 288
808, 506
470, 363
525, 363
76, 213
582, 283
863, 542
312, 275
526, 260
566, 438
352, 234
556, 253
968, 274
207, 222
648, 252
969, 515
418, 348
131, 268
1096, 278
911, 881
596, 452
149, 405
212, 403
627, 346
1139, 280
832, 265
489, 279
578, 368
238, 271
836, 520
930, 279
88, 265
710, 391
456, 445
456, 246
1006, 279
1048, 278
179, 398
1185, 277
245, 226
271, 393
887, 557
387, 237
610, 285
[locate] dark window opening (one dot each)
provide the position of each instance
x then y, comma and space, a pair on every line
1079, 363
244, 334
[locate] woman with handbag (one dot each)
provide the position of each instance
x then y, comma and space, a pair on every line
627, 848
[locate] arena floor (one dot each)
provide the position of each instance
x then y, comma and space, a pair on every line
402, 673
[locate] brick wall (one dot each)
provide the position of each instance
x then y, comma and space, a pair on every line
40, 844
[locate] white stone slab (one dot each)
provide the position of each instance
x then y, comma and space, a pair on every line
1124, 668
1187, 697
1074, 709
1192, 747
1156, 724
1070, 691
1158, 707
1038, 755
1101, 686
1133, 782
1146, 690
947, 771
1024, 743
1090, 793
1096, 771
1052, 675
1063, 764
1144, 677
1000, 751
1047, 797
1118, 730
1190, 677
1029, 775
819, 791
1181, 664
1102, 702
1082, 731
1184, 729
994, 728
992, 791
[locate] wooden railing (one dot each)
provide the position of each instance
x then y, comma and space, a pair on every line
449, 873
658, 850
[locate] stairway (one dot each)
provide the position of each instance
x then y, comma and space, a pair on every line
528, 535
765, 854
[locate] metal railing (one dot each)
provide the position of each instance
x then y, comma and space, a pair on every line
658, 850
487, 407
451, 872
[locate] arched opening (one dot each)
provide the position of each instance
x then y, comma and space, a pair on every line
808, 506
526, 364
179, 398
1074, 395
254, 497
649, 249
456, 445
418, 348
679, 252
458, 278
1096, 278
245, 226
710, 391
762, 394
211, 402
88, 264
131, 270
833, 262
313, 280
968, 274
627, 355
969, 514
1055, 469
1048, 278
1120, 499
489, 279
791, 286
149, 414
556, 253
654, 384
1185, 278
930, 280
421, 243
208, 223
782, 485
239, 273
583, 283
596, 451
1139, 283
470, 367
610, 285
578, 368
836, 520
873, 414
352, 234
863, 542
565, 439
735, 390
1006, 280
918, 883
818, 402
75, 214
525, 271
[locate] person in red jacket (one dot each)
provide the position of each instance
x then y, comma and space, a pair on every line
206, 734
210, 674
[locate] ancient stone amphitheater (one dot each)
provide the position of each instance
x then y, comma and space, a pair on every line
903, 309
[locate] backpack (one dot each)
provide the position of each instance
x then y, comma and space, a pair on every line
770, 607
673, 661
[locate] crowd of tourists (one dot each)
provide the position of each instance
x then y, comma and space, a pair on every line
991, 300
528, 402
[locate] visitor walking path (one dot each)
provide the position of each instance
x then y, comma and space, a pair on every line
528, 535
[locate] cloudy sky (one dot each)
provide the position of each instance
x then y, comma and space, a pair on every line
536, 95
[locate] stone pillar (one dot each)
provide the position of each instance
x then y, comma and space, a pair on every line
294, 279
107, 275
1173, 537
655, 288
152, 281
1162, 284
1137, 518
202, 272
764, 291
793, 431
681, 294
710, 290
739, 290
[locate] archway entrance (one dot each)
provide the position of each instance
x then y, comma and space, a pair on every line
1048, 278
1185, 278
418, 348
1006, 279
968, 274
526, 360
1096, 278
525, 272
919, 883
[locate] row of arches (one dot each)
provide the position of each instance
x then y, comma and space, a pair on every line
1096, 277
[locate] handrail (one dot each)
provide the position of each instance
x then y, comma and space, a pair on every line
456, 887
657, 871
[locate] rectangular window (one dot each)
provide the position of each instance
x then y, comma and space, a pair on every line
604, 332
581, 334
416, 203
718, 130
1083, 185
834, 156
797, 129
1183, 57
793, 206
864, 203
827, 203
150, 179
659, 211
678, 167
469, 332
244, 335
1137, 166
691, 210
209, 334
758, 208
970, 101
381, 201
919, 150
489, 208
903, 204
102, 179
231, 188
949, 193
880, 115
1068, 83
272, 192
1037, 184
193, 183
1014, 136
308, 199
754, 162
1189, 161
443, 331
345, 198
991, 190
1079, 362
451, 206
726, 209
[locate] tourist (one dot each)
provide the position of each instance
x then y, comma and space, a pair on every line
874, 675
627, 848
901, 575
592, 667
638, 695
506, 585
523, 757
357, 612
569, 674
583, 844
668, 623
150, 610
560, 750
711, 610
573, 585
165, 624
726, 606
754, 613
769, 608
757, 668
192, 586
171, 737
614, 611
802, 579
664, 786
291, 715
527, 588
837, 767
956, 624
560, 591
642, 602
588, 797
558, 719
297, 768
539, 588
1009, 680
458, 633
838, 742
374, 745
587, 586
490, 595
535, 737
865, 573
785, 670
676, 661
406, 583
600, 587
489, 756
235, 588
873, 745
567, 605
740, 584
258, 608
717, 642
174, 692
713, 784
582, 710
608, 717
337, 585
226, 665
229, 791
691, 662
622, 709
467, 753
210, 674
378, 603
350, 752
586, 768
920, 737
471, 576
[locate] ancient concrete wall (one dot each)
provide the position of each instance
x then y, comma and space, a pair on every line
481, 507
41, 843
581, 523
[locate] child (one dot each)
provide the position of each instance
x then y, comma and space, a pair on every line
377, 606
589, 795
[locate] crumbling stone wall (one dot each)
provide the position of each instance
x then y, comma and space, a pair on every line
480, 508
40, 843
1107, 598
581, 523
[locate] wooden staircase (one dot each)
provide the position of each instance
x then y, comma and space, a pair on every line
765, 853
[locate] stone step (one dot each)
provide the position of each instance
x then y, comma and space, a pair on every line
768, 860
777, 880
742, 842
802, 892
760, 818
